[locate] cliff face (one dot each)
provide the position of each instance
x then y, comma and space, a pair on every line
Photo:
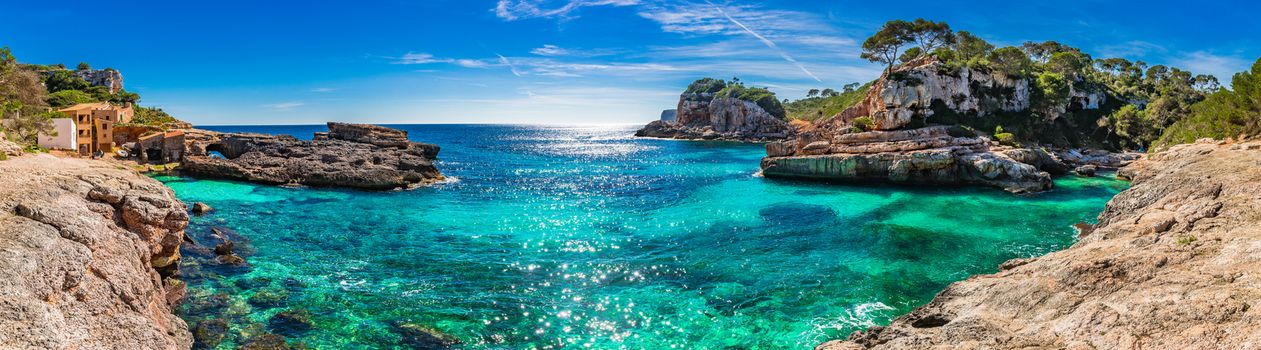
705, 116
88, 256
912, 133
348, 155
1171, 265
109, 78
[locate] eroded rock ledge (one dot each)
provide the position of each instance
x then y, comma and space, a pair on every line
1171, 265
348, 155
88, 257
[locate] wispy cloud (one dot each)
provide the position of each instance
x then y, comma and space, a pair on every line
284, 106
508, 63
1131, 49
323, 90
550, 50
524, 9
769, 43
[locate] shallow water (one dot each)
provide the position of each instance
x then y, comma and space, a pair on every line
557, 237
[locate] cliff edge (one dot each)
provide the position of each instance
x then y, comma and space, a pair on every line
88, 257
1171, 265
712, 109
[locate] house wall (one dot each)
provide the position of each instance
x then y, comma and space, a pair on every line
66, 135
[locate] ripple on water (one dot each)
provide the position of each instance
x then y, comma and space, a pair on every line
585, 237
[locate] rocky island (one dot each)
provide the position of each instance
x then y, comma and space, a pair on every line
713, 109
348, 155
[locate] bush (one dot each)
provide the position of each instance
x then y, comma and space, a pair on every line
69, 98
815, 108
152, 116
864, 123
1225, 113
706, 85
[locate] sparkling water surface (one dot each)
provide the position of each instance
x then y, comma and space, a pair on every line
551, 237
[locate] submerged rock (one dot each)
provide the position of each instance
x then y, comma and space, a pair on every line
209, 333
269, 298
349, 155
424, 337
291, 322
1086, 170
1166, 267
266, 342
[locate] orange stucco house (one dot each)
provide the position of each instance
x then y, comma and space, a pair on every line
95, 123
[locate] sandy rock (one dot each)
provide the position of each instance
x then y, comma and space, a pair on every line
1170, 265
87, 256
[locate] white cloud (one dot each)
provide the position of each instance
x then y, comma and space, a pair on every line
284, 106
524, 9
1131, 49
1202, 62
323, 89
770, 44
419, 58
508, 63
550, 50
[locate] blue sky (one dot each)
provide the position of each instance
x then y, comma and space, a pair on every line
552, 61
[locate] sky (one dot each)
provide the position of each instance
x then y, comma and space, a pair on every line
552, 61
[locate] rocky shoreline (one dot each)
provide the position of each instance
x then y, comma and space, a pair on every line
348, 155
705, 116
89, 256
1168, 266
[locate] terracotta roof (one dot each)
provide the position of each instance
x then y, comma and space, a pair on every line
83, 106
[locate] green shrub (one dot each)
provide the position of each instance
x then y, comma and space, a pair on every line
1007, 139
706, 85
66, 98
762, 97
1225, 113
1186, 239
4, 156
864, 123
815, 108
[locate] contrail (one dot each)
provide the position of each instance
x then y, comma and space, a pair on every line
768, 43
511, 67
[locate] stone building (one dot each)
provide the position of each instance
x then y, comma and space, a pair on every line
161, 148
94, 124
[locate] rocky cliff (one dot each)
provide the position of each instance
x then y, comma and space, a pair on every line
1171, 264
348, 155
710, 117
915, 126
88, 257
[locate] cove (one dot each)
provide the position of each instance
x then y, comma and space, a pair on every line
555, 237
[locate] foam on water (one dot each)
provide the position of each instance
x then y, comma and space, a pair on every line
565, 237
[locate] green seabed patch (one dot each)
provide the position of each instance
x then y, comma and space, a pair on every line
676, 245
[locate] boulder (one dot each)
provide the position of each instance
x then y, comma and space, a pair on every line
424, 337
209, 333
1086, 170
201, 208
266, 342
292, 322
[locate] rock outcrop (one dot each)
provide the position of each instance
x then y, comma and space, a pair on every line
910, 129
88, 257
348, 155
109, 78
703, 116
929, 155
1171, 264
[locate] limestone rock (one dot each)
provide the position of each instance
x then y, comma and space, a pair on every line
930, 155
201, 208
1170, 265
704, 116
88, 253
349, 155
1086, 170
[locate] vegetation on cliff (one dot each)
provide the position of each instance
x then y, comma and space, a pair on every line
820, 104
1142, 100
30, 94
1225, 113
736, 89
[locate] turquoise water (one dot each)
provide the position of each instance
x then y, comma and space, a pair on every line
568, 237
